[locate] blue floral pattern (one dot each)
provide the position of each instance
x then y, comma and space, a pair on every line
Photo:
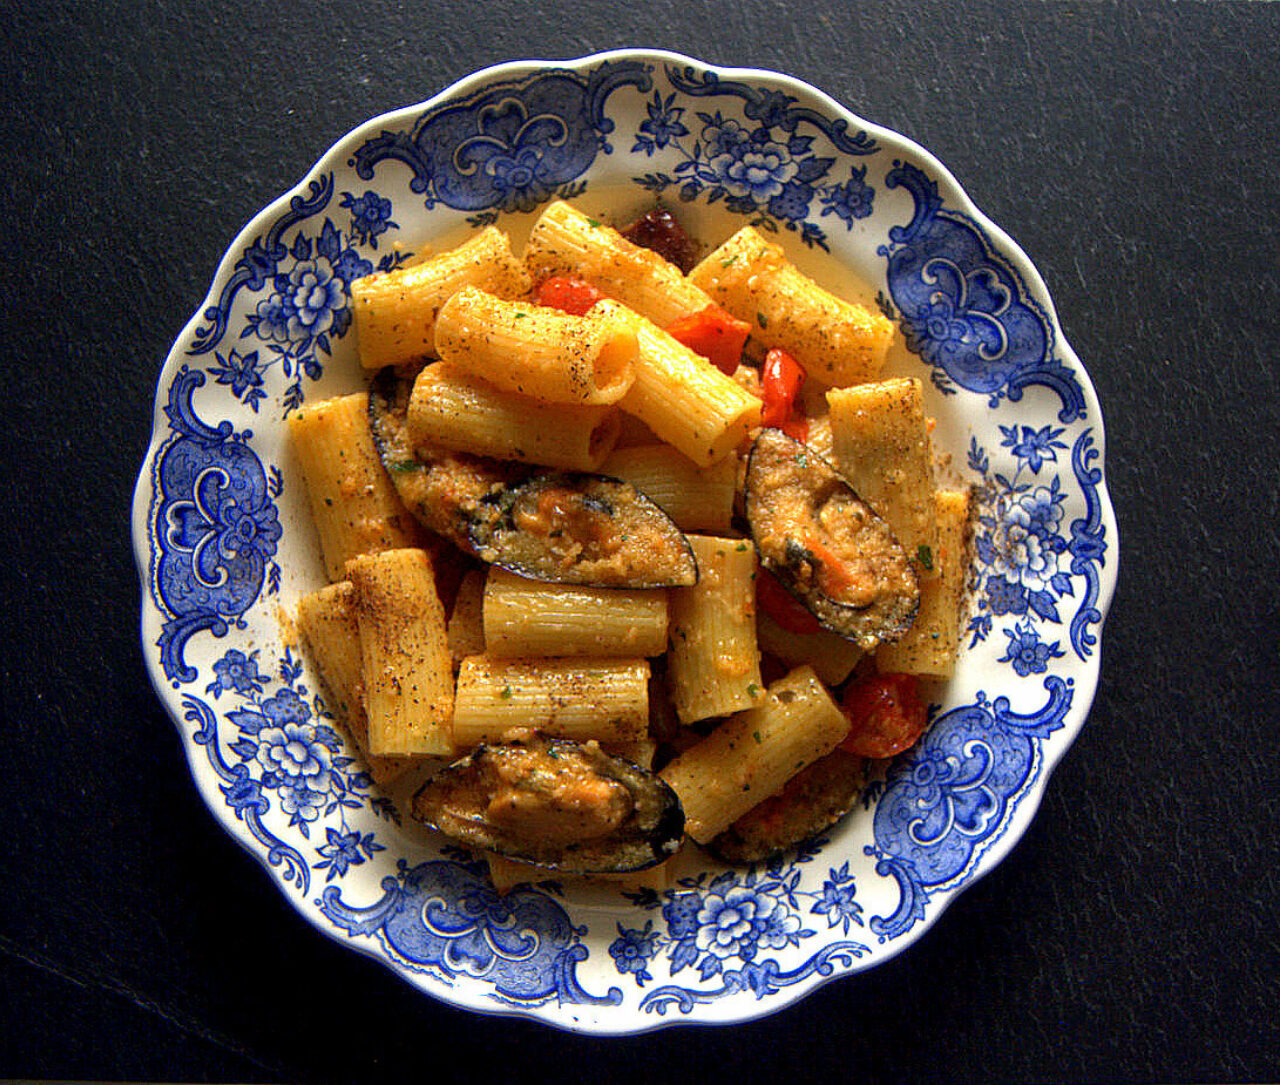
444, 918
763, 166
948, 800
284, 744
965, 308
736, 919
1025, 564
218, 524
303, 291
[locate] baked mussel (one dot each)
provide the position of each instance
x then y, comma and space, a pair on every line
556, 526
826, 545
555, 803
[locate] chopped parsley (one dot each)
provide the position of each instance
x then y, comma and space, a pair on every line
762, 320
506, 693
924, 555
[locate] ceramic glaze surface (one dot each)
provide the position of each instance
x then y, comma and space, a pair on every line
224, 541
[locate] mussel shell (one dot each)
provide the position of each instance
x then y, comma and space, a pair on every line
605, 533
781, 470
456, 800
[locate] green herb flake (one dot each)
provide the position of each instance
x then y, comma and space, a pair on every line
756, 736
924, 555
730, 262
506, 693
741, 547
762, 320
521, 316
752, 690
801, 460
404, 465
593, 224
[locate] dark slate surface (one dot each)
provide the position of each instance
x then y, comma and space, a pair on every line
1132, 151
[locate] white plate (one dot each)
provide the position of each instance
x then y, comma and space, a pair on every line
223, 536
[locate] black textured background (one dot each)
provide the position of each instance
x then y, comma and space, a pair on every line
1131, 150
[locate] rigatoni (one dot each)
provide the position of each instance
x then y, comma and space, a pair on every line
881, 445
532, 618
327, 619
395, 311
536, 351
752, 756
451, 409
353, 503
835, 341
581, 699
466, 621
931, 645
682, 397
714, 660
564, 241
408, 674
696, 498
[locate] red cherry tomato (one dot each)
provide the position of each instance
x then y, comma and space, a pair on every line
782, 377
783, 607
565, 292
886, 715
715, 334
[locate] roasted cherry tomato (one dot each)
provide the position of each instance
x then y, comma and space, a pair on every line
715, 334
783, 607
572, 295
782, 378
886, 715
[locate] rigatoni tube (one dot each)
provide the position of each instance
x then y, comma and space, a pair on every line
880, 440
353, 503
581, 699
564, 241
680, 396
836, 342
395, 311
408, 674
452, 409
714, 663
932, 643
331, 630
536, 351
530, 618
752, 756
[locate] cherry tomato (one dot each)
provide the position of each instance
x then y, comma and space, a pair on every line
886, 715
782, 378
565, 292
783, 607
715, 334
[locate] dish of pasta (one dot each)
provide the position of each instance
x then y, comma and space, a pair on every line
587, 477
624, 542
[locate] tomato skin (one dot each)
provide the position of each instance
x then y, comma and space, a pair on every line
886, 715
783, 607
715, 334
567, 293
782, 377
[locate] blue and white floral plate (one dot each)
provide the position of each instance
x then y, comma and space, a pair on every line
224, 541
